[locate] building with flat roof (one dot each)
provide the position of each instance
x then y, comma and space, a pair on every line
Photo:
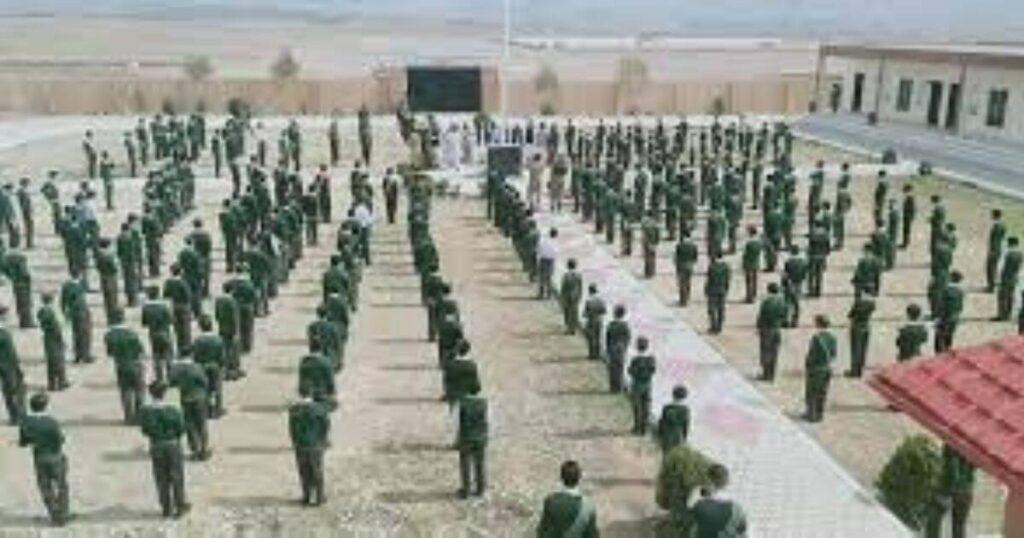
972, 90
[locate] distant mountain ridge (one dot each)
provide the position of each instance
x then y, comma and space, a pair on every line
818, 19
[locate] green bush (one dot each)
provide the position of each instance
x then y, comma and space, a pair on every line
683, 470
909, 483
924, 169
167, 106
239, 108
889, 156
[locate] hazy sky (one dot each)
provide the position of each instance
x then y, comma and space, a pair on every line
891, 19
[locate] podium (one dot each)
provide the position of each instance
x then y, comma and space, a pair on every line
506, 160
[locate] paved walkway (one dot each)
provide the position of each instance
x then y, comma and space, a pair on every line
992, 164
789, 485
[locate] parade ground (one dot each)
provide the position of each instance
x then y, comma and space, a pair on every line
390, 470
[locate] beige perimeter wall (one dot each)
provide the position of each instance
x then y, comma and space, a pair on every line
383, 90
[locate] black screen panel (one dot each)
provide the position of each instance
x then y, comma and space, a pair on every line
444, 89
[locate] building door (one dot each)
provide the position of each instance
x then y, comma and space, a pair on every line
858, 92
953, 107
934, 102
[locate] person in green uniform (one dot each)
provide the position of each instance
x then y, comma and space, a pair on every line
867, 273
471, 441
1008, 278
157, 319
460, 375
956, 484
316, 378
107, 176
211, 356
715, 233
164, 426
617, 338
334, 142
773, 237
247, 297
751, 262
715, 516
880, 195
674, 424
843, 205
936, 221
365, 135
951, 305
53, 345
202, 244
231, 232
821, 353
911, 336
12, 379
75, 308
26, 210
651, 237
124, 346
15, 266
570, 293
641, 372
323, 337
309, 426
818, 248
217, 152
190, 378
612, 203
629, 218
685, 259
771, 317
892, 228
311, 216
567, 512
909, 214
106, 265
996, 237
43, 433
391, 190
860, 333
127, 257
449, 335
594, 311
716, 290
180, 295
152, 234
227, 312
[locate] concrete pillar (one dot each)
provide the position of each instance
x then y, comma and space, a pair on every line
1013, 516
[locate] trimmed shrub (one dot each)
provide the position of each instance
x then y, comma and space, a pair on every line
909, 483
683, 471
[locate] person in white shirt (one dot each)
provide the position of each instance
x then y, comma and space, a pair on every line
364, 217
546, 255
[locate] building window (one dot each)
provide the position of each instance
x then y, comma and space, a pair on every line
906, 93
997, 100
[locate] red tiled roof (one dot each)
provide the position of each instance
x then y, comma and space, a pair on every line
972, 398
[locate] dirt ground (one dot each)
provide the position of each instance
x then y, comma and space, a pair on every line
390, 470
